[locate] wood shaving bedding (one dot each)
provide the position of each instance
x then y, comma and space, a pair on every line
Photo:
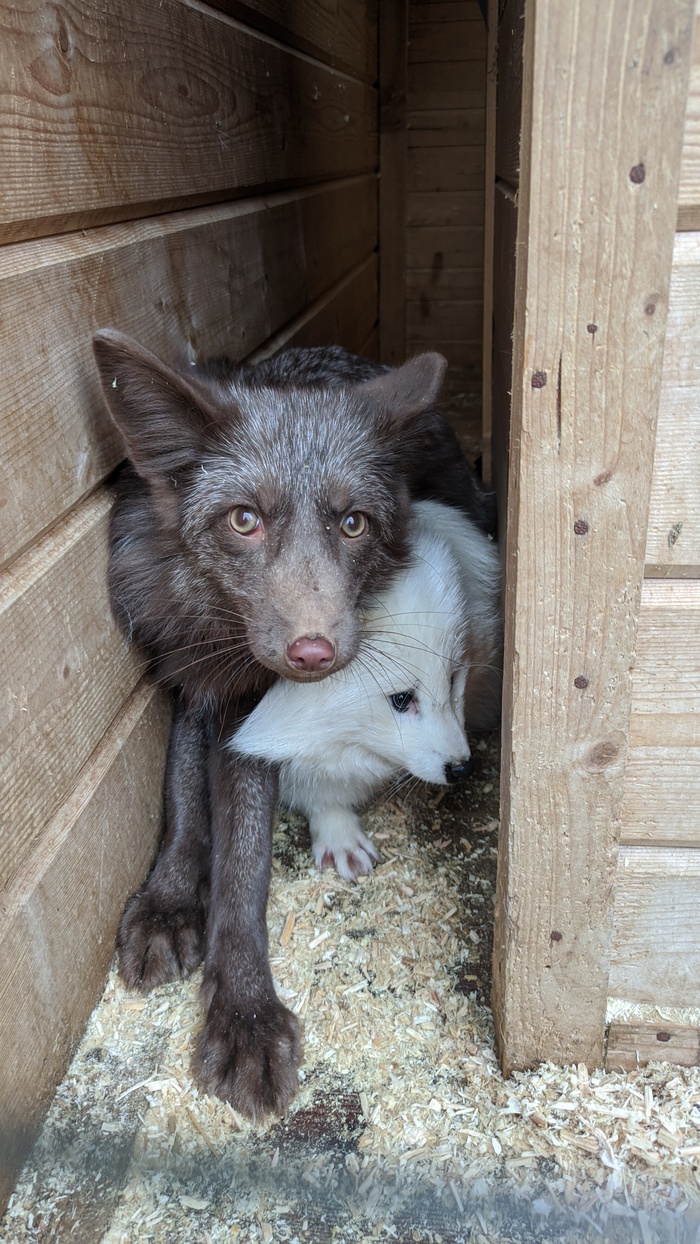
404, 1128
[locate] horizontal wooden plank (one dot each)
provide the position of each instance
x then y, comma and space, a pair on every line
427, 169
450, 85
665, 706
211, 280
58, 920
219, 111
453, 246
689, 191
472, 133
446, 41
661, 800
673, 533
66, 672
655, 955
344, 35
346, 316
434, 284
461, 120
446, 11
449, 207
631, 1046
430, 322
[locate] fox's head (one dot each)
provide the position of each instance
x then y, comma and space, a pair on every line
278, 508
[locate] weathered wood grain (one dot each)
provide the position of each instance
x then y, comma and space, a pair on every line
603, 104
634, 1045
450, 85
343, 34
655, 953
210, 281
661, 799
66, 673
114, 129
393, 156
665, 706
434, 322
673, 534
59, 917
440, 283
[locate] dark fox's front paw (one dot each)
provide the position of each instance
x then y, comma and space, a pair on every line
250, 1056
157, 943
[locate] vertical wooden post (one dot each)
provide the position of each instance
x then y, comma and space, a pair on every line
604, 93
489, 192
393, 61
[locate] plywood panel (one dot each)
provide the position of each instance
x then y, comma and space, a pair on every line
112, 126
66, 672
211, 280
673, 535
597, 81
655, 948
59, 917
343, 34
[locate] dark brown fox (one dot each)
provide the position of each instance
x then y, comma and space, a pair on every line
261, 507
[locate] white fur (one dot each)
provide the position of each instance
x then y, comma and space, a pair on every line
339, 741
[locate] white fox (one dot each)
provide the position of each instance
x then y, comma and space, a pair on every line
428, 668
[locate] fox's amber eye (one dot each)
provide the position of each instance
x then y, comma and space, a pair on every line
402, 700
246, 522
354, 524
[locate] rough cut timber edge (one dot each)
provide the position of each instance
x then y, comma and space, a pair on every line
607, 86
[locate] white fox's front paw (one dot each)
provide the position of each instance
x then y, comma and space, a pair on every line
338, 842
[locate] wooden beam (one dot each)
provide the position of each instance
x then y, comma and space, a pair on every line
393, 51
342, 35
604, 93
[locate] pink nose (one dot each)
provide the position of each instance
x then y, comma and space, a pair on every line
311, 652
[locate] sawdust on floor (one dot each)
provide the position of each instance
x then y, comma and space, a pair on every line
404, 1128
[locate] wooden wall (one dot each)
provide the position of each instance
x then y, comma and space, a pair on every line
587, 281
433, 132
203, 177
655, 952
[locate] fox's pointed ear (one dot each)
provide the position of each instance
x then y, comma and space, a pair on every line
408, 390
161, 418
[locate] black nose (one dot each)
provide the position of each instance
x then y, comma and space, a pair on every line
457, 771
